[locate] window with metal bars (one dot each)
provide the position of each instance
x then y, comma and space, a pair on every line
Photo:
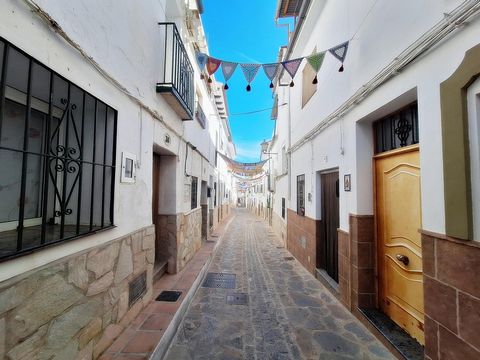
397, 130
57, 150
283, 208
301, 195
194, 193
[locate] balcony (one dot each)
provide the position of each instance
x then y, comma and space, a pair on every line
176, 75
200, 116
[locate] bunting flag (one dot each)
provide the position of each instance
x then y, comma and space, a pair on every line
243, 169
212, 66
201, 61
292, 66
271, 71
228, 68
316, 61
340, 52
250, 71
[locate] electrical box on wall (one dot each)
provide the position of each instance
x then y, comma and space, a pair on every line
128, 171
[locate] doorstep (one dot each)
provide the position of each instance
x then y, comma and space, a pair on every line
149, 335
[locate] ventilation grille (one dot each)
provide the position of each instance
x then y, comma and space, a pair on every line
137, 288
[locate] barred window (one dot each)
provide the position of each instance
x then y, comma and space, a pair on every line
397, 129
283, 208
194, 193
301, 195
58, 144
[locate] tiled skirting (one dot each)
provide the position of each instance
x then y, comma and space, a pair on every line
75, 308
301, 239
356, 263
452, 297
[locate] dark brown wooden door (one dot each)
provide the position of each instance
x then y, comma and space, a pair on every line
329, 225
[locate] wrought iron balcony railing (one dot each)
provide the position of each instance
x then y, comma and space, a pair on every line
200, 116
176, 76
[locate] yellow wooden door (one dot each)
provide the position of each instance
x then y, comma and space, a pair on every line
398, 216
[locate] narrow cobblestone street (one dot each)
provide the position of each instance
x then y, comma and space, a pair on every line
288, 315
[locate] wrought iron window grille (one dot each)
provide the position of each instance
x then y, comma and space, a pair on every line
301, 195
58, 143
397, 130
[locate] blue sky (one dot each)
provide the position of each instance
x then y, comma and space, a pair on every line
245, 31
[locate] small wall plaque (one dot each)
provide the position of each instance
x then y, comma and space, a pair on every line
347, 182
128, 171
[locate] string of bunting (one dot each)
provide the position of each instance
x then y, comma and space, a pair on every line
271, 70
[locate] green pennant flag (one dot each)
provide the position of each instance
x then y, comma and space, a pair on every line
316, 60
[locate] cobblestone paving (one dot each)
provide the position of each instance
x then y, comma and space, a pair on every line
289, 314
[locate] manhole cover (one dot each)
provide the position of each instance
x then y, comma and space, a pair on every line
237, 299
220, 280
289, 258
169, 295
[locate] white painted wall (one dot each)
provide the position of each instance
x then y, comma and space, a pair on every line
390, 27
123, 38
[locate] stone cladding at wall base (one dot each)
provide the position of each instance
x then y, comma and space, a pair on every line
180, 236
74, 308
279, 226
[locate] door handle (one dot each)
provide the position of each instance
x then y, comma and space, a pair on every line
403, 258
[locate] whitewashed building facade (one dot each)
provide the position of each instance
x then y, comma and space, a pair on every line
376, 166
109, 136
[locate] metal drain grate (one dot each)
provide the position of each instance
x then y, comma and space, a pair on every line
237, 299
280, 247
289, 258
220, 280
169, 295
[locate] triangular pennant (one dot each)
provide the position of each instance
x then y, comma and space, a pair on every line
316, 61
292, 66
340, 51
213, 65
228, 68
250, 71
271, 70
201, 60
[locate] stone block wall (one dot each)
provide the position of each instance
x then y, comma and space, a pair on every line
215, 217
166, 241
452, 297
76, 307
189, 236
279, 226
302, 239
180, 238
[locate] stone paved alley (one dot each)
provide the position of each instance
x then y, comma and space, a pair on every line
289, 314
